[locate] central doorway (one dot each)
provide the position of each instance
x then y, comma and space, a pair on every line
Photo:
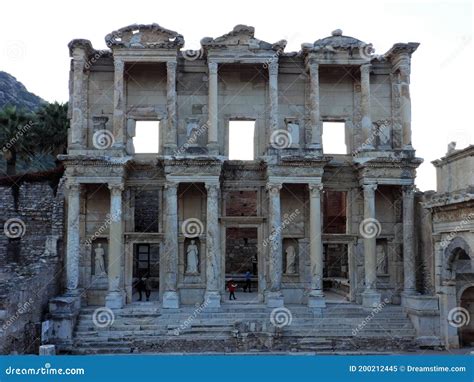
242, 263
146, 264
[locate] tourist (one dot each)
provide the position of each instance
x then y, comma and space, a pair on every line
140, 285
232, 288
248, 281
147, 288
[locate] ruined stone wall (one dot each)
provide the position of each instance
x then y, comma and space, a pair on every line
31, 244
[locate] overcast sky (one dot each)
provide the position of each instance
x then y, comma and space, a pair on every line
34, 37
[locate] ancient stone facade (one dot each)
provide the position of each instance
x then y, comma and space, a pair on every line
452, 211
194, 95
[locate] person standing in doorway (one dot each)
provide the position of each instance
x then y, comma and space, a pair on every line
147, 288
140, 285
232, 286
248, 281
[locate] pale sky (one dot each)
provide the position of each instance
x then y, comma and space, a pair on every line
34, 37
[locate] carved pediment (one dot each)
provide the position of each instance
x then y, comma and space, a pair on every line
144, 36
241, 36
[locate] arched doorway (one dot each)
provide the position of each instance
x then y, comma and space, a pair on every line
466, 331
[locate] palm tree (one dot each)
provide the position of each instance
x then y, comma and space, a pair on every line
51, 130
16, 137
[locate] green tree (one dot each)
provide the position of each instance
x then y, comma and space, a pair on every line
16, 137
51, 128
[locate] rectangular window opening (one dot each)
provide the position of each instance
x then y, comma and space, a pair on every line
334, 138
147, 137
241, 140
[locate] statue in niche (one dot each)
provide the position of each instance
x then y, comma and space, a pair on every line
99, 260
294, 130
290, 260
382, 266
192, 257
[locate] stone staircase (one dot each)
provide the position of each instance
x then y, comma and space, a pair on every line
147, 328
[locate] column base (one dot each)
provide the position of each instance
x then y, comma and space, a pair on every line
275, 300
115, 300
212, 300
371, 299
212, 148
170, 300
316, 299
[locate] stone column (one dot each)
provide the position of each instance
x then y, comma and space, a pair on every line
405, 103
73, 238
170, 256
273, 96
366, 122
275, 296
316, 296
370, 296
115, 298
409, 240
213, 120
119, 104
171, 104
213, 253
78, 111
315, 111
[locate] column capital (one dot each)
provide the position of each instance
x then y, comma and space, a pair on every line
274, 188
315, 189
73, 186
371, 187
171, 65
115, 188
79, 64
171, 185
312, 66
409, 190
212, 67
212, 186
273, 67
365, 68
119, 64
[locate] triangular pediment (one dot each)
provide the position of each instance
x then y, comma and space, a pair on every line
242, 36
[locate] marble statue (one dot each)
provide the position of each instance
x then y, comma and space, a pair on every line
99, 260
290, 260
192, 258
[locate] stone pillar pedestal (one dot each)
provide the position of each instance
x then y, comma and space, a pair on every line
409, 276
213, 252
73, 239
316, 295
370, 296
213, 110
170, 295
171, 105
275, 295
366, 122
115, 298
47, 350
315, 113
